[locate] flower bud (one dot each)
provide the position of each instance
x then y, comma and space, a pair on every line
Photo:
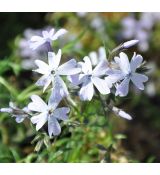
8, 110
129, 44
121, 113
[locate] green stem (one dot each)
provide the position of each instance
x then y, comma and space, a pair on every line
106, 107
115, 52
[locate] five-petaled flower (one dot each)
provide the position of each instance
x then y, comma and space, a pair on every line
48, 112
52, 71
128, 72
37, 41
90, 78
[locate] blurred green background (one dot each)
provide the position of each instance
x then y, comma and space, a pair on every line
132, 141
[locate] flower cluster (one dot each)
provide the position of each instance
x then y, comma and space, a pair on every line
94, 75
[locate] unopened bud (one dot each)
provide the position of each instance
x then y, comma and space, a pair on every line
121, 113
8, 110
129, 44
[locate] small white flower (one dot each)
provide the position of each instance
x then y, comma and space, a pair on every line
48, 112
51, 72
50, 36
90, 78
128, 72
19, 114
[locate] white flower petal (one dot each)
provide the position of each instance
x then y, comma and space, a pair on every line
37, 104
101, 68
102, 54
61, 113
51, 32
48, 82
45, 34
26, 110
35, 42
135, 62
69, 68
42, 81
51, 60
124, 63
101, 85
110, 80
54, 127
60, 87
39, 120
138, 80
55, 98
59, 33
114, 76
43, 67
83, 78
123, 87
86, 66
36, 39
54, 60
114, 72
86, 91
45, 81
94, 58
117, 60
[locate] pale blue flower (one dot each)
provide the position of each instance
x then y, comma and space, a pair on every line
52, 71
128, 73
37, 41
48, 112
89, 78
27, 54
95, 58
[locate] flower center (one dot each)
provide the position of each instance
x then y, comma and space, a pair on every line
48, 40
50, 111
129, 74
89, 77
53, 72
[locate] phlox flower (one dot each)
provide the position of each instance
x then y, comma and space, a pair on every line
89, 78
52, 71
128, 73
48, 112
37, 41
